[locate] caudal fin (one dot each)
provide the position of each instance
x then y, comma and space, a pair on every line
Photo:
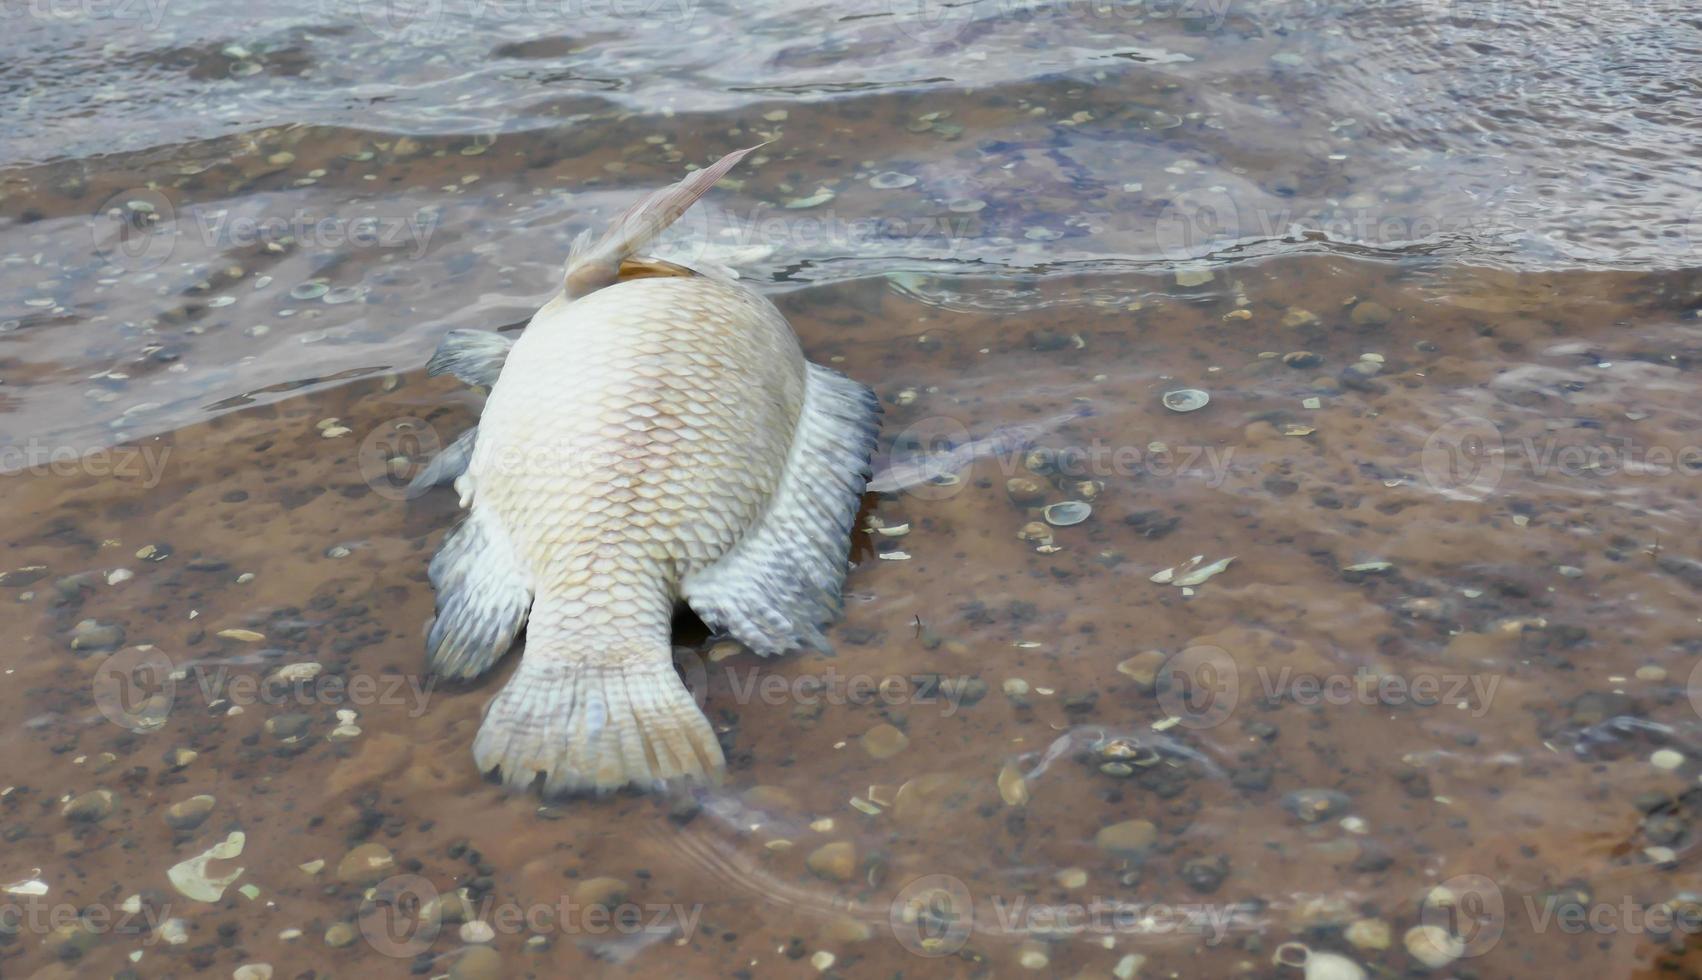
596, 727
591, 266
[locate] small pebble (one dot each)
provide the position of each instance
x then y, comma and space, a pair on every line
1370, 314
1373, 934
1666, 759
884, 741
1127, 838
189, 814
91, 807
1433, 946
1033, 956
367, 864
477, 963
836, 861
1186, 400
602, 892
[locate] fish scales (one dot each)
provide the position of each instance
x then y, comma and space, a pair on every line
637, 433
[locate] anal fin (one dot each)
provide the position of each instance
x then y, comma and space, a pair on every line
781, 583
483, 595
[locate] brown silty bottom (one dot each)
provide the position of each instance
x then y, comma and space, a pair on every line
1545, 587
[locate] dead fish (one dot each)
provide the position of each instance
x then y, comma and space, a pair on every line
654, 436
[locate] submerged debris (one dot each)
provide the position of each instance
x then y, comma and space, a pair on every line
1191, 572
1067, 513
1186, 400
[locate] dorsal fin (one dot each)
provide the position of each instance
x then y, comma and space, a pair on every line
647, 267
590, 266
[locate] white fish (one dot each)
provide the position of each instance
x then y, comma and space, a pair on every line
655, 435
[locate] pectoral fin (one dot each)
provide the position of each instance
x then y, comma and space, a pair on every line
474, 356
483, 596
781, 583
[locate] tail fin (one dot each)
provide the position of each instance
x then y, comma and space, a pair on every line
590, 267
596, 726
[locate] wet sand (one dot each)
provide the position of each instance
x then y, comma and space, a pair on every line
1569, 596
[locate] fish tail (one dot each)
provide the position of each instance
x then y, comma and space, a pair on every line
595, 726
593, 265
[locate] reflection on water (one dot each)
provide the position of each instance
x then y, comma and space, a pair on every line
1432, 261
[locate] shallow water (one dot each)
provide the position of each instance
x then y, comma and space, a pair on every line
1454, 649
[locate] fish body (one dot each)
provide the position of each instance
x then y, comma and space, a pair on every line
646, 441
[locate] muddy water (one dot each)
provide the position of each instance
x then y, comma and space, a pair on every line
1432, 263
